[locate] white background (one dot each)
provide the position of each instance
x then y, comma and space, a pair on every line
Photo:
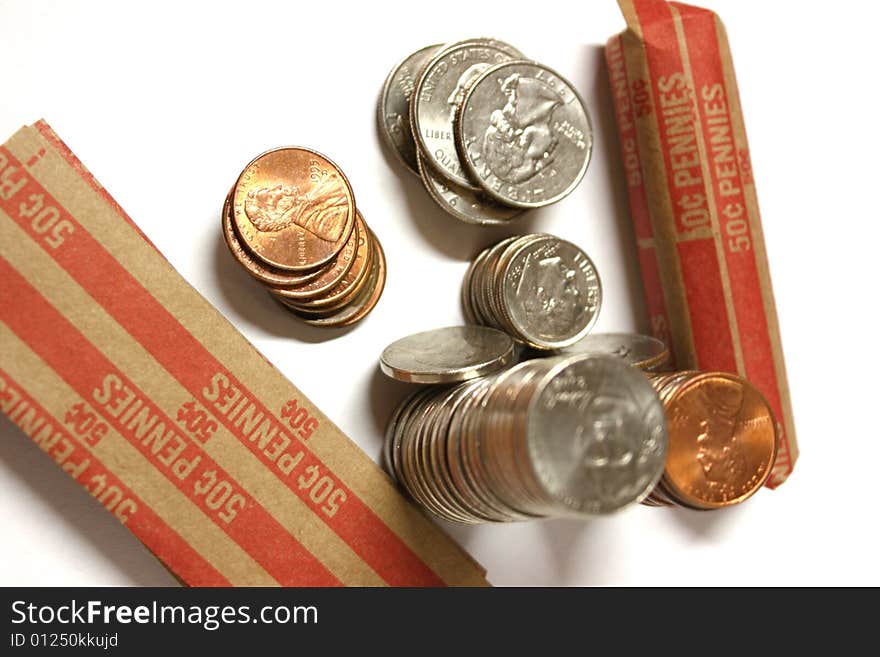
165, 103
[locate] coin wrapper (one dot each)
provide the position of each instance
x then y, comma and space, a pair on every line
141, 391
693, 201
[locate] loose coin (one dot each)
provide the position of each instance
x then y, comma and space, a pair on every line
524, 134
447, 355
523, 141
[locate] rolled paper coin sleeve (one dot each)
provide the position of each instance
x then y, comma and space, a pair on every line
150, 399
693, 201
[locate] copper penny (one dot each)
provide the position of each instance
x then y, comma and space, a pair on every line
331, 274
262, 272
293, 208
722, 441
366, 301
349, 285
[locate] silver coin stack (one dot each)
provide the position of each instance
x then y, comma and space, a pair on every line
542, 290
489, 132
578, 435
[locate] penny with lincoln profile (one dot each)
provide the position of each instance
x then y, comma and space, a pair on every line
291, 223
262, 272
723, 439
293, 208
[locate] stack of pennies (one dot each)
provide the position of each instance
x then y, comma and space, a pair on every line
542, 290
489, 132
291, 221
642, 351
723, 439
573, 435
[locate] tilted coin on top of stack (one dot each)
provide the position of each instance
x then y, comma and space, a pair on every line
566, 436
642, 351
291, 222
448, 355
489, 132
541, 289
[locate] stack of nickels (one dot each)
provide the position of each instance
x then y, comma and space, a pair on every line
489, 132
565, 436
291, 222
540, 289
723, 440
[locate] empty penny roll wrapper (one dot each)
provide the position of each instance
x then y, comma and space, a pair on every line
129, 380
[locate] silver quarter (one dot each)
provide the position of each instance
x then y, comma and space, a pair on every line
597, 434
439, 92
524, 134
447, 355
393, 107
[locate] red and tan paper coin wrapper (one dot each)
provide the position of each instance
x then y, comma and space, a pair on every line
139, 389
693, 201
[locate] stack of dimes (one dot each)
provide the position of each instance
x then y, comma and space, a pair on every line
577, 435
541, 289
723, 440
291, 221
489, 132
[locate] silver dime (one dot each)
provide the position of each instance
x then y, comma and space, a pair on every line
550, 293
641, 351
438, 95
393, 108
596, 434
447, 355
464, 204
524, 134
